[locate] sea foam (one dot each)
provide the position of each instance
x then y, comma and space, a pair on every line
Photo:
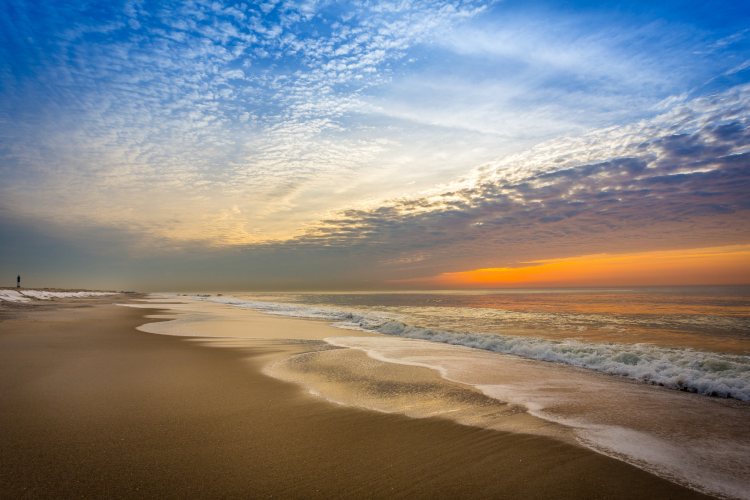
45, 295
685, 369
28, 295
12, 296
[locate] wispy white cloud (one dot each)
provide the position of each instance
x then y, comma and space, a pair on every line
199, 105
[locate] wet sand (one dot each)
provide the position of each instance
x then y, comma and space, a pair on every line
92, 407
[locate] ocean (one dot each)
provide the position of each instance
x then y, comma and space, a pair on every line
656, 377
694, 339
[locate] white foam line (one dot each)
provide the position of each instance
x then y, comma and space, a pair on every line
12, 296
684, 369
27, 295
678, 459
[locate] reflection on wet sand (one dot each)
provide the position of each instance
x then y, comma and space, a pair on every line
694, 440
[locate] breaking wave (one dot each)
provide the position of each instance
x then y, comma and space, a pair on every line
685, 369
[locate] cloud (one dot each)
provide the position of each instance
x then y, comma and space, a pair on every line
128, 118
670, 182
155, 121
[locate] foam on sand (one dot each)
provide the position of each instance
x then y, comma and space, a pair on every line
28, 295
699, 442
190, 318
685, 369
691, 439
45, 295
12, 296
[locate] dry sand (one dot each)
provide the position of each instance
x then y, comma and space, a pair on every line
90, 407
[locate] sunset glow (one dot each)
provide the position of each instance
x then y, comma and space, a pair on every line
701, 266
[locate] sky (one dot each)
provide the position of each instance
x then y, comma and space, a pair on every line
206, 145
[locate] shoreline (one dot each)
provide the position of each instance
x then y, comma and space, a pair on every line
689, 439
94, 407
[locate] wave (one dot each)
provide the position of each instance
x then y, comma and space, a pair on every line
12, 296
27, 295
44, 295
685, 369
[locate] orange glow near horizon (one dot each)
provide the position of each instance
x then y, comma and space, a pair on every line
728, 265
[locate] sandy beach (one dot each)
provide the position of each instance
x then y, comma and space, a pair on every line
375, 249
94, 408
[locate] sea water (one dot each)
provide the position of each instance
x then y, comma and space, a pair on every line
694, 339
657, 377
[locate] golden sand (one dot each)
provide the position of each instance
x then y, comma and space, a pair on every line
92, 407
